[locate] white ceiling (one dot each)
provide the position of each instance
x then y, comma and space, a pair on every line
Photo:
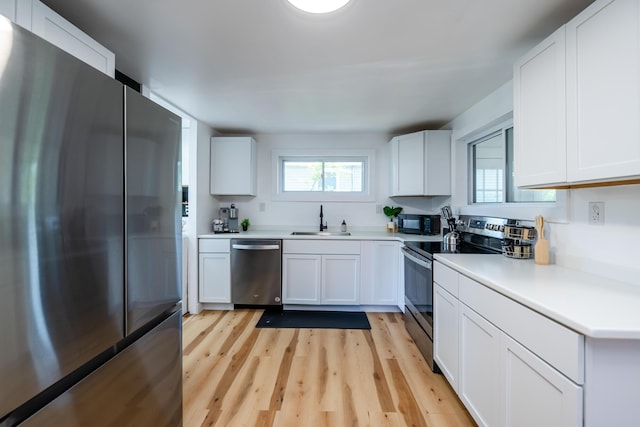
262, 66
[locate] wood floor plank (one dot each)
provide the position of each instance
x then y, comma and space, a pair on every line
238, 375
379, 377
407, 403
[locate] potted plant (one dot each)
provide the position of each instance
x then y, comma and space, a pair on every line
392, 213
245, 224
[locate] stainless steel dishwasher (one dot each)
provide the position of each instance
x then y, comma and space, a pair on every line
256, 272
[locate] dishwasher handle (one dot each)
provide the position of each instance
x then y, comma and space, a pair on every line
255, 247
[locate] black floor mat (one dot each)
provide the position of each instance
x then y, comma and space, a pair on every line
314, 319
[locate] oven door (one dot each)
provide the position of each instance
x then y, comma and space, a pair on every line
418, 289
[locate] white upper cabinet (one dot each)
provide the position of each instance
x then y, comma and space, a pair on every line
40, 20
8, 9
421, 164
577, 100
233, 166
539, 114
603, 92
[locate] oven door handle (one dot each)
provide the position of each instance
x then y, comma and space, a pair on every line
420, 261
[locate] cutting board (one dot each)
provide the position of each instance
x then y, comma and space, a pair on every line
541, 249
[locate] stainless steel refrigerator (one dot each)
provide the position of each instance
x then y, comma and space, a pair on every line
90, 246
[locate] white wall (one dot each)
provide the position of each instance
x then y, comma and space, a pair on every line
286, 214
201, 206
609, 250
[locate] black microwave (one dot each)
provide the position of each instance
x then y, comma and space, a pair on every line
419, 224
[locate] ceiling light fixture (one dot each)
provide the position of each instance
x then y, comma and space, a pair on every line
319, 6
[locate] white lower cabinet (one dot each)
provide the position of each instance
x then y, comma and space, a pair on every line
479, 367
341, 279
510, 366
301, 275
445, 334
321, 272
214, 266
379, 272
534, 393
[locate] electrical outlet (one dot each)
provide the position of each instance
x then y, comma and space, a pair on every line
596, 213
378, 208
262, 207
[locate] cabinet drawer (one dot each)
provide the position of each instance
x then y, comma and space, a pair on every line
446, 277
338, 247
214, 245
557, 345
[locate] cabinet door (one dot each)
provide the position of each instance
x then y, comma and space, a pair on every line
479, 367
8, 9
18, 11
540, 114
445, 339
215, 277
60, 32
301, 279
379, 279
437, 163
535, 394
341, 279
603, 91
233, 166
408, 165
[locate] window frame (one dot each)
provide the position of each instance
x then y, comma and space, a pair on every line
500, 130
367, 157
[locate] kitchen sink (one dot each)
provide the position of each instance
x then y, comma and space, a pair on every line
320, 233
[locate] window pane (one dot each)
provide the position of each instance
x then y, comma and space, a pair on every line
489, 163
343, 176
310, 175
301, 176
515, 194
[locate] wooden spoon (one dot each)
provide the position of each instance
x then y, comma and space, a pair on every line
542, 245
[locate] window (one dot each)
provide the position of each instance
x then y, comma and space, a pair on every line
341, 175
324, 175
492, 172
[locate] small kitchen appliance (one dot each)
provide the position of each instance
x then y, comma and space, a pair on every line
227, 221
451, 240
419, 224
233, 219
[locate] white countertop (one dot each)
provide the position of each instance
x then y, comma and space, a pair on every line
591, 305
355, 235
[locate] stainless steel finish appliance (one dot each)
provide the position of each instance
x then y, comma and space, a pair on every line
227, 221
256, 272
90, 224
418, 276
418, 290
233, 219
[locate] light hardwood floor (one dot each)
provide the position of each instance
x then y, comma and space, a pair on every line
238, 375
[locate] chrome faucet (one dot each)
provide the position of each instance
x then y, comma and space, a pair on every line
323, 226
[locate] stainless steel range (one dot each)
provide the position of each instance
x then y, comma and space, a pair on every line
479, 235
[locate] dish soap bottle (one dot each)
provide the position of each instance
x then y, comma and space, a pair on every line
343, 227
